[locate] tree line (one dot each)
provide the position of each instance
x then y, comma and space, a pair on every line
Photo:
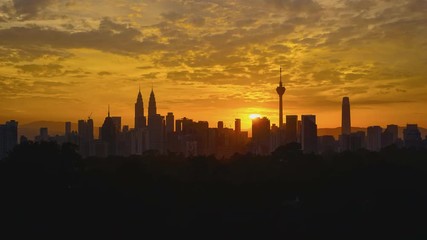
49, 189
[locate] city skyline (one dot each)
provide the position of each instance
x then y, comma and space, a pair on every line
214, 61
228, 124
296, 119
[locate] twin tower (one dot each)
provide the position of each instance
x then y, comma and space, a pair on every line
140, 119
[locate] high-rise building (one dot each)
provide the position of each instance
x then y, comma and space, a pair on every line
261, 135
309, 133
346, 121
374, 138
280, 91
170, 121
155, 126
238, 126
86, 139
220, 124
44, 135
109, 134
8, 137
412, 136
389, 136
291, 128
67, 128
139, 141
178, 125
118, 123
275, 137
140, 120
152, 107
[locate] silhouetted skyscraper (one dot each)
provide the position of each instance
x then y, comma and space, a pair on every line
346, 121
44, 135
152, 107
280, 90
374, 138
118, 123
155, 126
291, 128
8, 137
86, 139
390, 135
170, 123
67, 129
156, 132
309, 133
140, 120
261, 135
178, 125
109, 134
412, 136
237, 125
220, 124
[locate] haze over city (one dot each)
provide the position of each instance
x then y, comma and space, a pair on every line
214, 60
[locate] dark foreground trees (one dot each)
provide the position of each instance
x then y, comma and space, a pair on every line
48, 189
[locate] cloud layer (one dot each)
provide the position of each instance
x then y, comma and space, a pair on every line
218, 52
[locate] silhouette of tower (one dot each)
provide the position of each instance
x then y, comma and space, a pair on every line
291, 128
152, 108
309, 133
280, 90
140, 121
261, 135
108, 134
85, 137
170, 123
374, 138
238, 126
8, 137
345, 121
156, 126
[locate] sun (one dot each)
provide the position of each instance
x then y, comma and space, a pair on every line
254, 115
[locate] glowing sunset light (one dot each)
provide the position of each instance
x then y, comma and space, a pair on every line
253, 116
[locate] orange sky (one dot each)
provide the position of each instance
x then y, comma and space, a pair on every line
214, 60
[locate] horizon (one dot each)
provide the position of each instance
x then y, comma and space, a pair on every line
196, 120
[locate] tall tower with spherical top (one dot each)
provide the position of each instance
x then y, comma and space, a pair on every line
280, 90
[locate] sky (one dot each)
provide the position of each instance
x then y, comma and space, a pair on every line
64, 60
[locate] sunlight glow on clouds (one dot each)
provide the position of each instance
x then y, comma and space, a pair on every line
211, 60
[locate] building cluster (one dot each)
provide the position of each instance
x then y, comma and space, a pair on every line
304, 131
266, 137
164, 134
154, 132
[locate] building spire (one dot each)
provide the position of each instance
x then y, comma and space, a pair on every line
280, 91
108, 110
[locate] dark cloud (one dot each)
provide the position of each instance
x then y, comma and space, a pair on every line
104, 73
417, 6
308, 6
109, 37
360, 5
14, 54
49, 70
29, 8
